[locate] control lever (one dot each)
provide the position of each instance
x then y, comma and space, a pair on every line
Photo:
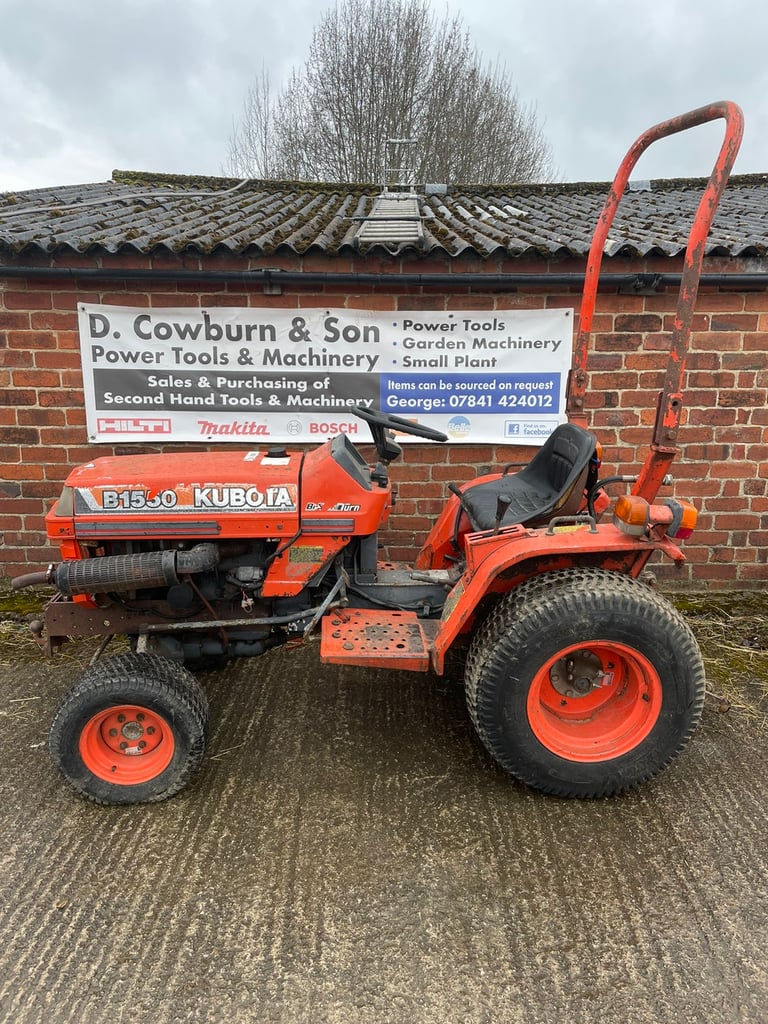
503, 501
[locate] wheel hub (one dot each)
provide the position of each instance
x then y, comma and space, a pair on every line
126, 744
579, 673
594, 703
132, 730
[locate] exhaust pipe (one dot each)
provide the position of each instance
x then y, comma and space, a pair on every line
33, 579
123, 572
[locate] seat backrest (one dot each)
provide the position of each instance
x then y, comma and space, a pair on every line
562, 463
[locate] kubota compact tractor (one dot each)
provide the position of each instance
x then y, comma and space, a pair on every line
581, 680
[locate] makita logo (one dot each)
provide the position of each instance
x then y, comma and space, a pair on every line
274, 499
246, 428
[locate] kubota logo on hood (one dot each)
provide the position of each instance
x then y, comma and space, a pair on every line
273, 499
186, 498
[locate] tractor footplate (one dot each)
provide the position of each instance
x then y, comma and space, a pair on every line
388, 639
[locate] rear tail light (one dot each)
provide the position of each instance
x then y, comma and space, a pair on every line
631, 514
684, 516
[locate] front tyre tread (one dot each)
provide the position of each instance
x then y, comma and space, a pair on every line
162, 687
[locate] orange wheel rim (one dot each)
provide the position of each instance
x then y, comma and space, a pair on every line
594, 701
127, 744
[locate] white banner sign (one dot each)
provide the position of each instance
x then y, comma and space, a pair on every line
229, 374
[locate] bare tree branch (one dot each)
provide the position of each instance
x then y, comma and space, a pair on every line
380, 69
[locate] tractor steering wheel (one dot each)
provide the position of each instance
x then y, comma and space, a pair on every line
380, 422
390, 422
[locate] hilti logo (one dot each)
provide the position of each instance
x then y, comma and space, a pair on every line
113, 425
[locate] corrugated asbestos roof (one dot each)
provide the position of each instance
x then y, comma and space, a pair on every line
144, 213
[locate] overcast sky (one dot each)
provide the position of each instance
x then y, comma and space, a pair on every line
157, 85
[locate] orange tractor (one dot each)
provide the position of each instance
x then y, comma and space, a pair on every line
581, 680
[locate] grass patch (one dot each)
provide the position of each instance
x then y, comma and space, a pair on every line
732, 632
731, 629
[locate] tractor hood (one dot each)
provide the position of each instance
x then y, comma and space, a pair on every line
186, 493
221, 494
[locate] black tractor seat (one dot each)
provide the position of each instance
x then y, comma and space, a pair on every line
552, 484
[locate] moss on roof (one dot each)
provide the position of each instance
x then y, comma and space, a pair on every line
142, 211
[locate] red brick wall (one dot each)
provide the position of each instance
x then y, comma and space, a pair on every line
723, 464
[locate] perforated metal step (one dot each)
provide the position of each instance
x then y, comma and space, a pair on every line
380, 639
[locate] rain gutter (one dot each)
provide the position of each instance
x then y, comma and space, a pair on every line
272, 279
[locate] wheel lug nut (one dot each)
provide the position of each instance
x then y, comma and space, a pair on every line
142, 744
113, 732
150, 730
140, 717
121, 718
123, 745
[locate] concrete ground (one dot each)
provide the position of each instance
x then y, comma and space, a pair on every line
349, 854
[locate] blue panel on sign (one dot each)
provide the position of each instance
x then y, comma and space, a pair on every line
515, 394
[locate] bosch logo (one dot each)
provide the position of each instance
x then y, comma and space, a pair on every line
333, 428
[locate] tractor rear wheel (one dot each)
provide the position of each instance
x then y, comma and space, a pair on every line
584, 683
132, 730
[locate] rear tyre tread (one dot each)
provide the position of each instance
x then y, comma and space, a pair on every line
502, 618
534, 611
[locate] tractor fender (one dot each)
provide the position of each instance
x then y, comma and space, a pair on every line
496, 564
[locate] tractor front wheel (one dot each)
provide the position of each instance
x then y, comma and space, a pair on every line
132, 730
585, 684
